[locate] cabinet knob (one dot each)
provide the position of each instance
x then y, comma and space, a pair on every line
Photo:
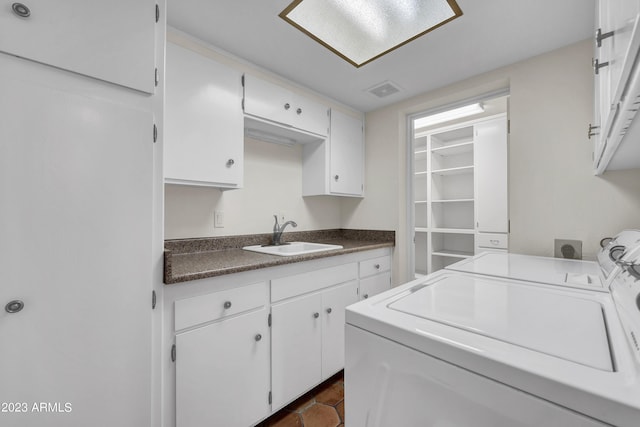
316, 315
230, 162
366, 296
494, 241
227, 304
287, 106
21, 10
258, 337
337, 177
377, 266
299, 111
14, 306
329, 310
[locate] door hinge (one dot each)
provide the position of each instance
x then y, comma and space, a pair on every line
155, 133
173, 353
153, 300
157, 13
508, 126
269, 320
270, 398
157, 77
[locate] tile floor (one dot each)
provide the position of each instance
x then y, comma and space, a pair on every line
321, 407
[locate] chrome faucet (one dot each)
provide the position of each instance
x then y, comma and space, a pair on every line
278, 229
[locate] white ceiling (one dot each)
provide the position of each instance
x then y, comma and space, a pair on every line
490, 34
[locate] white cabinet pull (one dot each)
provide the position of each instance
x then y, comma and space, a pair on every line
21, 10
258, 337
329, 310
494, 241
316, 315
287, 106
299, 111
377, 266
227, 304
230, 162
366, 296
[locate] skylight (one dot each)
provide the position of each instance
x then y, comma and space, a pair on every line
360, 31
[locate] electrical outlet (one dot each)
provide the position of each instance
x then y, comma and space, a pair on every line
218, 219
570, 249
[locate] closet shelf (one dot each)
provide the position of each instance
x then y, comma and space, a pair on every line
452, 150
454, 171
453, 201
452, 254
453, 230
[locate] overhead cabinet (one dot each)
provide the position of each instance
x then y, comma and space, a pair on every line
274, 112
460, 200
336, 166
204, 138
616, 132
79, 36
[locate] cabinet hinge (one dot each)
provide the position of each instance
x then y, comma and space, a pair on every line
173, 353
270, 398
153, 300
269, 320
157, 13
242, 103
509, 226
157, 77
242, 80
155, 133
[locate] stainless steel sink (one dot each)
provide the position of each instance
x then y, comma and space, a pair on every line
293, 248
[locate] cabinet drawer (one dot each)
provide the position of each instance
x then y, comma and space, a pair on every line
373, 266
206, 308
492, 240
287, 287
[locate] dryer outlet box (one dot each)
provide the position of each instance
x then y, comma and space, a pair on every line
570, 249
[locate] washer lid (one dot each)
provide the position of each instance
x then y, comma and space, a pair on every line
541, 319
555, 271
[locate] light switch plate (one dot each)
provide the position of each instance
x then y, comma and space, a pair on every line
218, 219
570, 249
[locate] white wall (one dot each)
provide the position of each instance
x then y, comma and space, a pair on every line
272, 178
553, 192
272, 185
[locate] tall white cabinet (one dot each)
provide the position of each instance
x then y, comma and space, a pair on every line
78, 222
460, 198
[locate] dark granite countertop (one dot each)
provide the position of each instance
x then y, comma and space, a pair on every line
192, 259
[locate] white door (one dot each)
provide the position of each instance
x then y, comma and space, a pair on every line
334, 301
222, 373
204, 124
311, 116
490, 158
76, 214
267, 100
108, 40
295, 347
347, 154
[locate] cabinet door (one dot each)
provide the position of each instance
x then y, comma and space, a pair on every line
267, 100
296, 347
334, 302
490, 157
347, 154
108, 40
310, 116
204, 129
76, 184
374, 285
222, 372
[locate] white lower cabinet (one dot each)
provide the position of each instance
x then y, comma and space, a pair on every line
222, 372
247, 344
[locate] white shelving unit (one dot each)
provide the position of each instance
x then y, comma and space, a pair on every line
445, 189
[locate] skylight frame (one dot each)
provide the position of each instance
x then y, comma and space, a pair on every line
457, 12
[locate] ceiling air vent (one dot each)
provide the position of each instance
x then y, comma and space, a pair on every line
384, 89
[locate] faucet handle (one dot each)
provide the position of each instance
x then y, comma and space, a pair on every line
276, 226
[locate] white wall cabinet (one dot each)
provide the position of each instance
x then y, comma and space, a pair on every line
204, 137
459, 191
375, 276
222, 368
336, 166
267, 101
79, 36
617, 85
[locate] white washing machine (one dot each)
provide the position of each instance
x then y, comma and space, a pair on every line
555, 271
455, 349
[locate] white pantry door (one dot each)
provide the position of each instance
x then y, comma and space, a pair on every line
75, 247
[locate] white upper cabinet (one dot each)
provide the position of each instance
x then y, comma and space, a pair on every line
265, 101
617, 85
107, 40
336, 166
490, 158
204, 138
